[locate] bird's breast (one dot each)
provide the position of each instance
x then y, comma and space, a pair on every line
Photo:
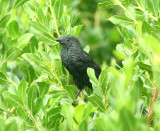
66, 57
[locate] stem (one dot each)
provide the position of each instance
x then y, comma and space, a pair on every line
140, 8
119, 3
12, 82
35, 122
5, 109
151, 106
53, 16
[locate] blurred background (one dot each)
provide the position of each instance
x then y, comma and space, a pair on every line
100, 34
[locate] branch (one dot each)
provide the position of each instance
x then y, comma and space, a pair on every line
53, 16
35, 122
151, 106
140, 8
125, 9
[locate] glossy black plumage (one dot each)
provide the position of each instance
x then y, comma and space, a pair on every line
76, 61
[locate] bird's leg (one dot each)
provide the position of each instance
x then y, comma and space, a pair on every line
76, 102
78, 93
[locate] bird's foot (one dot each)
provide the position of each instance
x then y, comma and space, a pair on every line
75, 102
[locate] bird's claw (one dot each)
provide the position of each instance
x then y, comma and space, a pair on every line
75, 102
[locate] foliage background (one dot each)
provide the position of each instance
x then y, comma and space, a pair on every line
36, 91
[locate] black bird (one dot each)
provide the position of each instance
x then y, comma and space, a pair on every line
76, 61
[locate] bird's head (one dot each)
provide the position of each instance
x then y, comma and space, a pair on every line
67, 40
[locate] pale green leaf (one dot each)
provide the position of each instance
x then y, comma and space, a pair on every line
108, 3
78, 113
87, 49
120, 20
97, 102
13, 99
19, 3
24, 39
141, 3
41, 32
153, 6
22, 89
3, 78
13, 53
13, 28
91, 74
58, 9
4, 20
128, 2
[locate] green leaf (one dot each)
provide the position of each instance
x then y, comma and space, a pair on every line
2, 124
104, 80
13, 28
34, 104
19, 3
102, 126
67, 112
34, 60
145, 16
131, 11
153, 6
83, 125
4, 20
152, 42
145, 67
91, 74
53, 116
71, 91
22, 89
11, 126
32, 97
128, 33
108, 3
27, 69
43, 89
13, 52
21, 112
78, 112
128, 71
13, 99
120, 20
88, 110
58, 9
87, 49
127, 120
128, 2
3, 78
31, 46
37, 106
31, 6
97, 102
141, 3
41, 16
138, 90
4, 5
75, 30
37, 63
24, 39
41, 32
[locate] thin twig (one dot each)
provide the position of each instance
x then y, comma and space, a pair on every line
35, 122
53, 16
125, 9
140, 8
155, 94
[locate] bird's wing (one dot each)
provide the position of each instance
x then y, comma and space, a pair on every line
82, 61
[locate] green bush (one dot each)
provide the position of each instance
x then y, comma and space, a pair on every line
36, 91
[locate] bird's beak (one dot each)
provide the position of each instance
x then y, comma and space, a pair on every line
59, 39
